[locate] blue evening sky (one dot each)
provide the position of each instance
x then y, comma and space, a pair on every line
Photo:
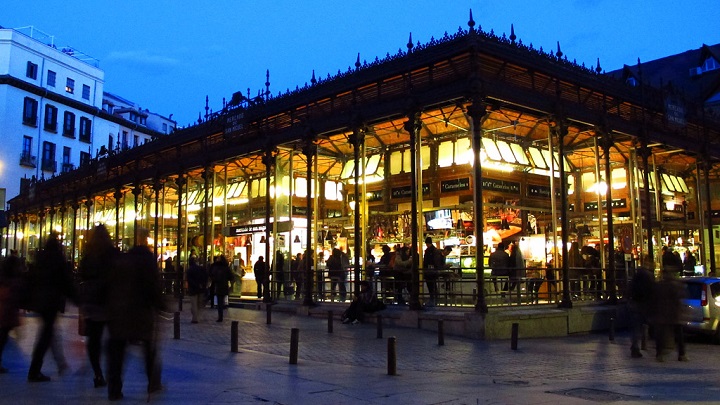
167, 55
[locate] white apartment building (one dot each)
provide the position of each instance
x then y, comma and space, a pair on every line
54, 114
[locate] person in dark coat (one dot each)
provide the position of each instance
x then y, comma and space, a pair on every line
197, 280
640, 301
134, 300
279, 278
433, 261
260, 270
99, 254
499, 262
10, 286
668, 315
337, 274
222, 276
51, 283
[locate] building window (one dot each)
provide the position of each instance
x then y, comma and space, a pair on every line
66, 165
124, 141
136, 141
86, 92
32, 70
30, 108
85, 129
111, 141
51, 78
710, 64
48, 157
70, 86
69, 124
51, 118
164, 127
84, 158
26, 157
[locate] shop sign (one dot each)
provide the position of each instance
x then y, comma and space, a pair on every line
449, 186
617, 203
299, 211
245, 229
675, 111
373, 196
540, 191
259, 212
501, 186
406, 191
234, 122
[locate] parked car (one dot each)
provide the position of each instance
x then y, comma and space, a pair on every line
703, 305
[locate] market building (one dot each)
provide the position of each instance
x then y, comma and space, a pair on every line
471, 140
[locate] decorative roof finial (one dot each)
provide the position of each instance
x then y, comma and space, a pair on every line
598, 69
267, 83
410, 44
512, 33
471, 23
559, 53
207, 108
357, 62
313, 80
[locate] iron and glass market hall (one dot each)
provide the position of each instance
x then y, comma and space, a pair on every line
473, 141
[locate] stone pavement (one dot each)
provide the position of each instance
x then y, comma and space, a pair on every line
349, 366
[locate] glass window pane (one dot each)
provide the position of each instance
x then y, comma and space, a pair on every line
396, 162
463, 151
537, 158
519, 153
445, 154
330, 190
491, 149
505, 151
372, 165
348, 170
301, 187
667, 183
682, 184
425, 157
548, 159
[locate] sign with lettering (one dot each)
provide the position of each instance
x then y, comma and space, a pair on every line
675, 111
540, 191
502, 186
234, 122
449, 186
617, 203
245, 229
406, 191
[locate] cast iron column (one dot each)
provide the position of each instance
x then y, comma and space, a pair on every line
412, 126
309, 151
358, 139
118, 196
645, 152
157, 186
708, 201
560, 128
477, 112
207, 179
607, 143
269, 161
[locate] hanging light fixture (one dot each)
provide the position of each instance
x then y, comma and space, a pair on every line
297, 239
262, 239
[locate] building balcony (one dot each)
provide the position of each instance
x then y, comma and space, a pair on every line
28, 160
49, 166
68, 167
69, 132
30, 121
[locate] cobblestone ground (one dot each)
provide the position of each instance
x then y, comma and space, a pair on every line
350, 366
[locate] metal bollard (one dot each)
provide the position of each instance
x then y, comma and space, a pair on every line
612, 329
176, 325
514, 336
294, 337
643, 342
392, 356
268, 313
379, 327
330, 321
234, 336
441, 332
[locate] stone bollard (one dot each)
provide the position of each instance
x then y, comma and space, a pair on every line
514, 336
441, 332
294, 338
268, 314
176, 325
612, 330
330, 321
234, 336
392, 356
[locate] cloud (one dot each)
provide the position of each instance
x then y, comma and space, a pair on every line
142, 60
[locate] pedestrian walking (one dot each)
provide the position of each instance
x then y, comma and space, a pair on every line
50, 284
640, 300
668, 315
197, 280
260, 269
11, 285
134, 300
99, 254
221, 276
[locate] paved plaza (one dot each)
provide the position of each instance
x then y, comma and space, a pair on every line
350, 366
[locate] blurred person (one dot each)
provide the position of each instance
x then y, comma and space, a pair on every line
402, 267
689, 264
433, 262
99, 254
668, 315
134, 301
499, 262
50, 284
197, 279
338, 276
296, 275
221, 276
279, 279
365, 302
11, 286
640, 300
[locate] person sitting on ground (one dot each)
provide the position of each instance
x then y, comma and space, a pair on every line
365, 302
